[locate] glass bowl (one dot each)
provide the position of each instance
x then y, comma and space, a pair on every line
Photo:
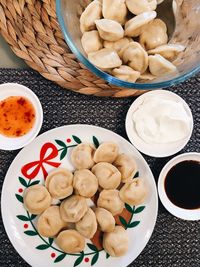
186, 33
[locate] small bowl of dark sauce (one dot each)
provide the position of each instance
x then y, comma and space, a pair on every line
179, 186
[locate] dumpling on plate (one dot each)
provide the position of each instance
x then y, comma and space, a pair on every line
168, 51
70, 241
87, 226
111, 10
110, 200
106, 152
133, 192
82, 156
85, 183
108, 175
50, 223
126, 73
109, 30
91, 41
116, 242
137, 7
159, 66
36, 199
59, 183
73, 208
105, 220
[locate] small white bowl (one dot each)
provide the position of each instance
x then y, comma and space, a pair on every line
185, 214
14, 89
156, 150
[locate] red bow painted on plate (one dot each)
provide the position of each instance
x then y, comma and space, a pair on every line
39, 164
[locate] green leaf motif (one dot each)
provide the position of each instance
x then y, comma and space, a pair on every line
42, 247
133, 224
77, 139
92, 247
79, 260
60, 258
23, 218
50, 241
95, 258
107, 255
34, 183
139, 209
19, 198
123, 221
63, 154
61, 143
30, 233
95, 141
136, 175
33, 216
128, 207
23, 182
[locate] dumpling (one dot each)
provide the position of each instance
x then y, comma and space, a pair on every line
82, 156
147, 76
105, 220
154, 34
116, 242
92, 12
111, 10
91, 41
108, 175
136, 57
110, 200
50, 223
134, 26
87, 226
85, 183
73, 208
109, 30
126, 73
168, 51
133, 192
127, 166
137, 7
70, 241
159, 66
59, 183
106, 152
36, 199
105, 58
118, 46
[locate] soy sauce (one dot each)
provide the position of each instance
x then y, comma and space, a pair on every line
182, 184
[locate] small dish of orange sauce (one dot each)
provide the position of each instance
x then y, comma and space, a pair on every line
21, 116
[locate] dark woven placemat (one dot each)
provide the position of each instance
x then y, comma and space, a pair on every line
174, 243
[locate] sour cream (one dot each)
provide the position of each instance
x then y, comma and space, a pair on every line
161, 121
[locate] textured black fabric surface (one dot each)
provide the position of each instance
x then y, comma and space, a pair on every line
174, 243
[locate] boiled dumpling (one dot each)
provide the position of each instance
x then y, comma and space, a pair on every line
133, 192
136, 57
73, 208
137, 7
50, 223
37, 199
159, 66
91, 41
118, 46
109, 30
111, 10
87, 226
168, 51
127, 166
147, 76
110, 200
154, 34
116, 242
82, 156
105, 58
126, 73
108, 175
134, 26
105, 220
92, 12
106, 152
70, 241
59, 183
85, 183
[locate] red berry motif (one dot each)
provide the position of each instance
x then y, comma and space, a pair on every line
20, 190
25, 225
68, 140
53, 255
87, 259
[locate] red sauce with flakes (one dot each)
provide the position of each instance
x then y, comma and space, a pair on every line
17, 116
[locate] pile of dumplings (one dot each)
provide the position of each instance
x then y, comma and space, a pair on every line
125, 39
100, 173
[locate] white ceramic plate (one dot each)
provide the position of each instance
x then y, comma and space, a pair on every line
46, 152
156, 150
